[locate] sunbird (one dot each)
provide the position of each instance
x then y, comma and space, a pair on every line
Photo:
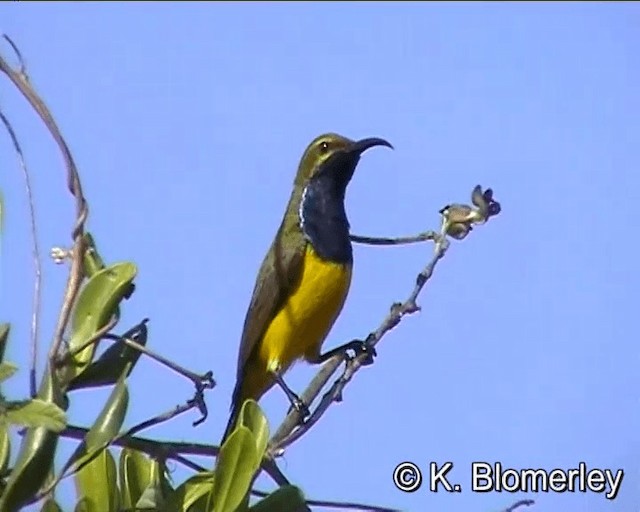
305, 276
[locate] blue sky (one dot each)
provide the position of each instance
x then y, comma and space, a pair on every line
187, 122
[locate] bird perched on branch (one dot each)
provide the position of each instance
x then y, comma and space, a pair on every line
305, 276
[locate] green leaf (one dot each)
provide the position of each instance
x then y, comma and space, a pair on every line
252, 417
50, 505
85, 505
7, 370
159, 488
96, 482
92, 262
288, 498
151, 499
104, 429
101, 433
109, 366
36, 413
191, 495
35, 458
136, 472
37, 451
236, 466
5, 447
4, 337
96, 304
111, 418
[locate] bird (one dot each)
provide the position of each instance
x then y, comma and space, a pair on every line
305, 276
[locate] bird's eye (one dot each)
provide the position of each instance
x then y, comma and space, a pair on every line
324, 146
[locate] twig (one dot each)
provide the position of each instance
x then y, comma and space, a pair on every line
160, 418
271, 467
188, 463
170, 449
335, 504
518, 504
288, 432
35, 307
457, 222
153, 447
349, 506
206, 380
16, 50
95, 338
401, 240
21, 81
201, 382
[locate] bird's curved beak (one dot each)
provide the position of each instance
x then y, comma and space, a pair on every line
359, 147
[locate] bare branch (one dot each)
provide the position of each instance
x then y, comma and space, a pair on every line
288, 432
21, 81
94, 338
171, 450
335, 504
518, 504
161, 418
188, 463
205, 381
401, 240
37, 261
155, 448
201, 382
349, 506
457, 222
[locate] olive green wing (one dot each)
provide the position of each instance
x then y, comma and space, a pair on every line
279, 274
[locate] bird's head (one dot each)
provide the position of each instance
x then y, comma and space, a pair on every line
335, 156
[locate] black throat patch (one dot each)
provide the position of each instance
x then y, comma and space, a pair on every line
323, 218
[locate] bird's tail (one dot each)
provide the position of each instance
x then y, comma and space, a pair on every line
252, 388
235, 410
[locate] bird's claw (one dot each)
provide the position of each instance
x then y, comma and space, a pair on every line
300, 407
359, 348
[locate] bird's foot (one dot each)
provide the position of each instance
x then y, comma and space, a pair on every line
360, 347
300, 407
296, 403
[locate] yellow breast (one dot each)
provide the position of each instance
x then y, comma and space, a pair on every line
301, 326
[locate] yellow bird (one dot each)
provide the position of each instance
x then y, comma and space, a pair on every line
305, 276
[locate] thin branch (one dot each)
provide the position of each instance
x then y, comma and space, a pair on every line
153, 447
205, 381
457, 222
21, 81
289, 431
37, 265
335, 504
95, 338
16, 50
171, 450
188, 463
349, 506
201, 382
518, 504
160, 418
271, 467
401, 240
